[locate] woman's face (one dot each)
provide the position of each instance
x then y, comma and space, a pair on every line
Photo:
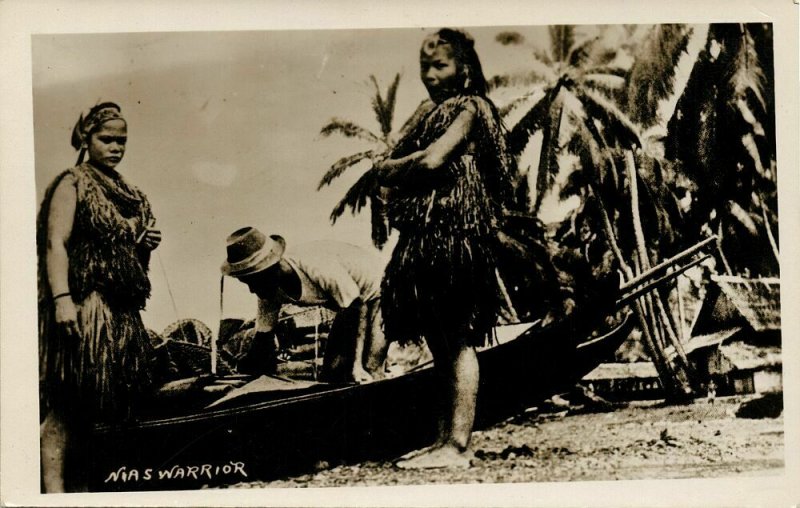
106, 146
439, 72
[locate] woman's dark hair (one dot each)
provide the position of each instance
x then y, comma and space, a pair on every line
87, 125
469, 65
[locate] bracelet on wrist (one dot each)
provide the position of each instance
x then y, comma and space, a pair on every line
61, 295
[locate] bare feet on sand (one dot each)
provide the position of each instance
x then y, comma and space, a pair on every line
427, 449
439, 457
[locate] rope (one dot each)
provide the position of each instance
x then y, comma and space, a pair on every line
171, 296
169, 289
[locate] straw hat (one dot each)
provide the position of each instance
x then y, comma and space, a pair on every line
251, 251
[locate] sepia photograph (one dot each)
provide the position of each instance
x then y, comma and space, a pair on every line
421, 254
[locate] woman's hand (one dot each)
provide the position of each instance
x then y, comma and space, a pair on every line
67, 317
150, 239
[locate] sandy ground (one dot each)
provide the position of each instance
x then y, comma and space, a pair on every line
640, 441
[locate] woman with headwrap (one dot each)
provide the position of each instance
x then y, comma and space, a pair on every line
95, 232
446, 182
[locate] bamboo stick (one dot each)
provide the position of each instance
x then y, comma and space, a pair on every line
650, 285
721, 253
770, 236
668, 262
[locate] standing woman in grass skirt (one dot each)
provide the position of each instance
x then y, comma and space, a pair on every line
94, 237
444, 185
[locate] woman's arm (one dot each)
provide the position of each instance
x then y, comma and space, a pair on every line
59, 228
431, 158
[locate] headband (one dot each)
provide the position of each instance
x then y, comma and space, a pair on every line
96, 117
435, 40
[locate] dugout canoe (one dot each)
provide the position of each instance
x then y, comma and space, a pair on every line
276, 428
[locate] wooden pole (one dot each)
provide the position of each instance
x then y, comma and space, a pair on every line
681, 310
316, 341
215, 336
655, 282
667, 263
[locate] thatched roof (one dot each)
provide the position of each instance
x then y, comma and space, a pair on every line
710, 340
638, 370
735, 301
745, 356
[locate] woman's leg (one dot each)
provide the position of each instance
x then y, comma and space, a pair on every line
459, 373
54, 439
464, 395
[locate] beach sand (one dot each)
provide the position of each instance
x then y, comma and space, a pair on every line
645, 440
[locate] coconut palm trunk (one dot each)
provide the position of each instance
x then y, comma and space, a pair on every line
654, 349
673, 373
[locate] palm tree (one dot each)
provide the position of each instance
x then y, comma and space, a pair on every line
572, 76
722, 136
578, 113
383, 106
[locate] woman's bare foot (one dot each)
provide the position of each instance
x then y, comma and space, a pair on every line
420, 451
440, 457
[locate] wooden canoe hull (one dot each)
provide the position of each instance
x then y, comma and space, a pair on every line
267, 439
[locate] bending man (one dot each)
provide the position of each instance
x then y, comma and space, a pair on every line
336, 275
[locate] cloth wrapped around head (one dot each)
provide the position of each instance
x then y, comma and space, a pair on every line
457, 39
462, 48
91, 122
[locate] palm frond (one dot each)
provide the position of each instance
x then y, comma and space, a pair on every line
379, 106
613, 70
586, 147
608, 83
542, 56
341, 165
579, 53
562, 38
348, 129
389, 104
748, 75
603, 153
743, 217
652, 76
617, 126
536, 72
515, 103
520, 134
749, 117
379, 223
752, 150
358, 195
548, 158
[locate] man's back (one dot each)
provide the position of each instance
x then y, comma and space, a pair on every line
334, 274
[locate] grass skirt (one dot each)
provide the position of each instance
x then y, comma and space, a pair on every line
441, 282
104, 375
440, 290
